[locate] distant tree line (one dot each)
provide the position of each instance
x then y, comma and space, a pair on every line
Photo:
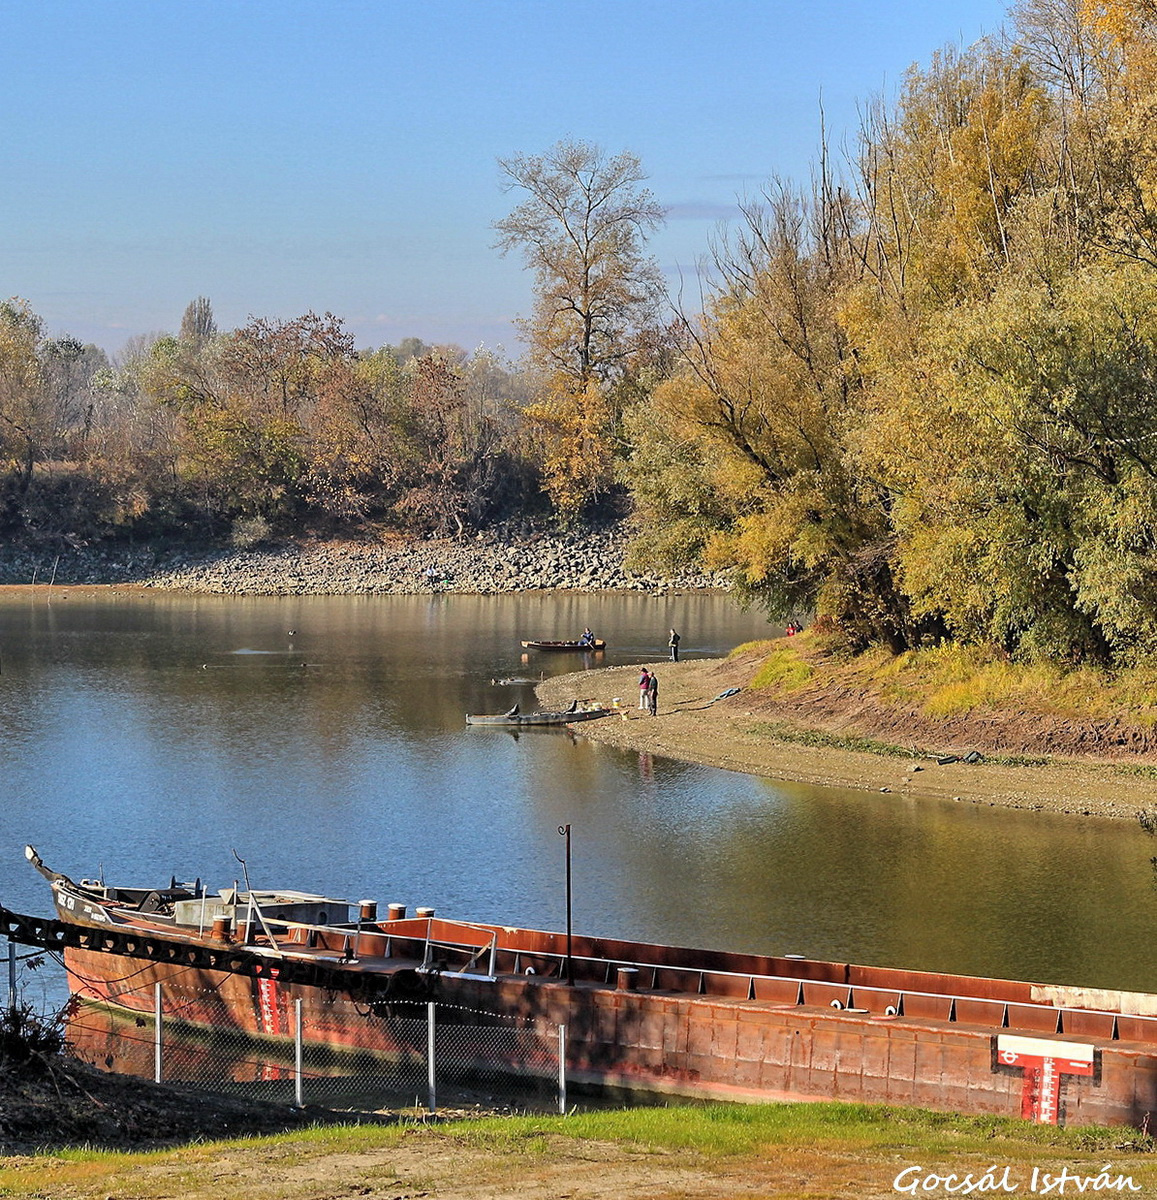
262, 431
281, 427
919, 402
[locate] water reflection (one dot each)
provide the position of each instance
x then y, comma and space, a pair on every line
155, 734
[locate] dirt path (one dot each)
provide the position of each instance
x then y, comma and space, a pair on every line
422, 1164
408, 1156
449, 1169
744, 733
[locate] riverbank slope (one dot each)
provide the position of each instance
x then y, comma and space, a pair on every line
842, 738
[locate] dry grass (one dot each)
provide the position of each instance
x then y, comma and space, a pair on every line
949, 680
783, 668
816, 1150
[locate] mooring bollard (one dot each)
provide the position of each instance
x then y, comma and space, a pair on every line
626, 979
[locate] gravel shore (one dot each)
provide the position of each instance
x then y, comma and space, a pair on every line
484, 564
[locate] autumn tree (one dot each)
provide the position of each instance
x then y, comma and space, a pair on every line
1024, 468
284, 424
198, 325
134, 445
50, 485
69, 370
582, 230
253, 437
359, 450
752, 438
24, 427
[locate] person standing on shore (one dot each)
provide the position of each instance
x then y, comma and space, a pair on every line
644, 689
673, 642
653, 694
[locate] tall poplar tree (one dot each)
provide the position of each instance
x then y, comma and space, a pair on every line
582, 229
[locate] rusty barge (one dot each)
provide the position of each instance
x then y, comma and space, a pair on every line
651, 1018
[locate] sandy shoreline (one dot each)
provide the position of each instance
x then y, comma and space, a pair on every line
730, 733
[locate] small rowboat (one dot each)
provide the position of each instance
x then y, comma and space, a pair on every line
580, 710
597, 644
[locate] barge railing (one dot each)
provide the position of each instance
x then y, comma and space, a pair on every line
432, 944
233, 959
362, 941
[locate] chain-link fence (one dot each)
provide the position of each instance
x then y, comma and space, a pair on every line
310, 1046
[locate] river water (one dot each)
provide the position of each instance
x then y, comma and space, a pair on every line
324, 740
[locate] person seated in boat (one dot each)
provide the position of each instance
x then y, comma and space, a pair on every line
588, 638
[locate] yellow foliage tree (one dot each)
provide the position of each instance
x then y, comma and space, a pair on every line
582, 228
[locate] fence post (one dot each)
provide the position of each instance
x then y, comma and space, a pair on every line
158, 1066
430, 1065
562, 1070
11, 975
298, 1087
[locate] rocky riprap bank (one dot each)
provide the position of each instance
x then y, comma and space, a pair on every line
588, 562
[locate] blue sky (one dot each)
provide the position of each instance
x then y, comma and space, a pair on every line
284, 156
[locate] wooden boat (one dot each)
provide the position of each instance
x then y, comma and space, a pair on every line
595, 646
654, 1018
580, 710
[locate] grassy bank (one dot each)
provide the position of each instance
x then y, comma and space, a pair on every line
955, 681
920, 702
719, 1150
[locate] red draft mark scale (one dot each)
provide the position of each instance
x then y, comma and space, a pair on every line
1043, 1061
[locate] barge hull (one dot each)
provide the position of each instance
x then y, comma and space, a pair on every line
668, 1019
695, 1046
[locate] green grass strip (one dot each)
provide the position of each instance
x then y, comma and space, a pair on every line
823, 740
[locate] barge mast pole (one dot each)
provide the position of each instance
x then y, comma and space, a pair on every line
564, 830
